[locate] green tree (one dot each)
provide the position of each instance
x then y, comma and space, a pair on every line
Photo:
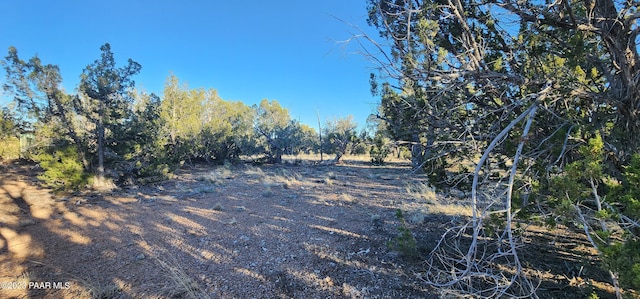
181, 111
536, 82
227, 127
380, 148
40, 100
339, 134
309, 140
107, 89
9, 124
138, 143
272, 125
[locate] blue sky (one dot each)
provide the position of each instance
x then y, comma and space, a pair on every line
287, 50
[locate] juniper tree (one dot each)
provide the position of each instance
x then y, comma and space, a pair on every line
107, 89
527, 87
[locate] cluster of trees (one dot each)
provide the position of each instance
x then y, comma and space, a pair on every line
543, 95
108, 129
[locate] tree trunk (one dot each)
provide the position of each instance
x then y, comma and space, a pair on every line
417, 156
320, 134
100, 128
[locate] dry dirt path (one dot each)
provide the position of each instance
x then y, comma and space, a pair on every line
244, 232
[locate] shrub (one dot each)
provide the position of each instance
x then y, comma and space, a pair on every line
624, 258
359, 148
63, 169
404, 242
379, 150
405, 153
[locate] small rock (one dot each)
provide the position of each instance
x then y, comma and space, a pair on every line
140, 257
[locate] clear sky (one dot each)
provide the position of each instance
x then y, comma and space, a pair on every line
287, 50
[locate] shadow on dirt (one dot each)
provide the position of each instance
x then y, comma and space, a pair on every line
270, 232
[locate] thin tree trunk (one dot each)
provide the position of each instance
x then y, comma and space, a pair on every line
417, 156
100, 129
320, 133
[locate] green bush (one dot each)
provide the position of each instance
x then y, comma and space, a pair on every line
572, 188
63, 169
404, 242
624, 258
359, 149
379, 150
405, 153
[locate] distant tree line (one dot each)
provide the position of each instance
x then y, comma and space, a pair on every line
108, 129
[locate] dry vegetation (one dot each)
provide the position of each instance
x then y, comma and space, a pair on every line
241, 231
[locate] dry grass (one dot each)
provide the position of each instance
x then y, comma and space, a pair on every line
103, 184
254, 171
348, 198
217, 176
451, 209
437, 204
98, 290
181, 284
422, 191
315, 158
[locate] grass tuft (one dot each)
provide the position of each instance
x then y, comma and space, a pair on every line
348, 198
103, 184
181, 284
217, 176
422, 191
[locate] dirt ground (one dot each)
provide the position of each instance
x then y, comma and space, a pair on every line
245, 232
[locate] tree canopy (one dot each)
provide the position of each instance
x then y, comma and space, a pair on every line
525, 88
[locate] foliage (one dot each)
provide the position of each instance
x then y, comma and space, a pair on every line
308, 140
63, 169
9, 124
404, 242
466, 79
139, 148
9, 143
107, 99
339, 135
624, 258
181, 112
227, 127
275, 129
379, 149
200, 126
9, 147
583, 191
39, 99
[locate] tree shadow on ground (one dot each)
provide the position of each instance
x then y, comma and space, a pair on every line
229, 237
